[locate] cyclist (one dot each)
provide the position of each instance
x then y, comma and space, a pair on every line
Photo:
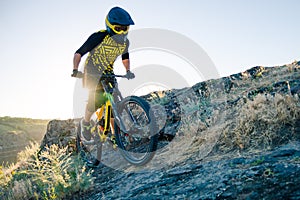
104, 47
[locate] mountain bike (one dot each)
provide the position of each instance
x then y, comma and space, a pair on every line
132, 129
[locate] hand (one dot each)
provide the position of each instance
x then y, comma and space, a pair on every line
77, 73
130, 75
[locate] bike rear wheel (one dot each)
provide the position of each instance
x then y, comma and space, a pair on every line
90, 152
138, 142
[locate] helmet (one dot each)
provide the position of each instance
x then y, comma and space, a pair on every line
119, 16
118, 21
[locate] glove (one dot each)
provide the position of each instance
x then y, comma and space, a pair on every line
77, 73
130, 75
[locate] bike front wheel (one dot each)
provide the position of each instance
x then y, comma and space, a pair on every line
138, 141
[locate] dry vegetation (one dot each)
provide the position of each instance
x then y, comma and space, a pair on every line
16, 134
50, 174
263, 123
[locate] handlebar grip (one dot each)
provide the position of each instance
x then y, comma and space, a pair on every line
79, 74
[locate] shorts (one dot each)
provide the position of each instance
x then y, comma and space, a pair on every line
97, 96
96, 99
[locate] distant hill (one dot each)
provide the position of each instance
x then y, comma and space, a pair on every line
16, 133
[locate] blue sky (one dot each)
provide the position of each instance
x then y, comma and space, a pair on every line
38, 40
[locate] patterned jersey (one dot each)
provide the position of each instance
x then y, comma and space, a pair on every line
103, 51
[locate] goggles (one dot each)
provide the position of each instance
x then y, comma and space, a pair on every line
118, 29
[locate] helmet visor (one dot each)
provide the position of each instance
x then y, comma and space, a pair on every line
118, 29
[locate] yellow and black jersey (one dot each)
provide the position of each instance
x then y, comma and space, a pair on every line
103, 51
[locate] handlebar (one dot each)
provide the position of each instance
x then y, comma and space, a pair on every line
81, 75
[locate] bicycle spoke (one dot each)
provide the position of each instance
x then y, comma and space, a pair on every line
136, 142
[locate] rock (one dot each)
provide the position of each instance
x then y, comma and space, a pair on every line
295, 89
62, 133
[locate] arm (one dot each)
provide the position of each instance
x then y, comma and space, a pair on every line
76, 61
126, 64
129, 74
89, 44
125, 57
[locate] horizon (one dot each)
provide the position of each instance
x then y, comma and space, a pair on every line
58, 118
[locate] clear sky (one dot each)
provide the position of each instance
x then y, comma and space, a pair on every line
39, 38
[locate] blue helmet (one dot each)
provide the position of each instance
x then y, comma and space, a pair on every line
119, 16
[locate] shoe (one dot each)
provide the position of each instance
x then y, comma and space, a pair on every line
93, 164
85, 130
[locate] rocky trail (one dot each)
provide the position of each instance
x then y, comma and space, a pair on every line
237, 137
268, 175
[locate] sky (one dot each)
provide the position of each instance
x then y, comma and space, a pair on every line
39, 38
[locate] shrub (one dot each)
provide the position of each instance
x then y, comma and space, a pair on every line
50, 174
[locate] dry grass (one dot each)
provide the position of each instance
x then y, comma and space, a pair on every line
50, 174
263, 123
217, 119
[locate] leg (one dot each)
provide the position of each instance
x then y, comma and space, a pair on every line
85, 122
112, 125
95, 101
90, 107
88, 114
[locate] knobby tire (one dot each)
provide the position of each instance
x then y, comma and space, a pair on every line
151, 138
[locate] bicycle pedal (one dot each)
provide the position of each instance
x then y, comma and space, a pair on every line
113, 141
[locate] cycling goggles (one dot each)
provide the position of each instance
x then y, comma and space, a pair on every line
118, 29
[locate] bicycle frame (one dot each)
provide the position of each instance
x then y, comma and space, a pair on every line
129, 115
106, 128
109, 107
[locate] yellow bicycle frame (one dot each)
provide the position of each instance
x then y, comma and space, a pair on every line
103, 131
